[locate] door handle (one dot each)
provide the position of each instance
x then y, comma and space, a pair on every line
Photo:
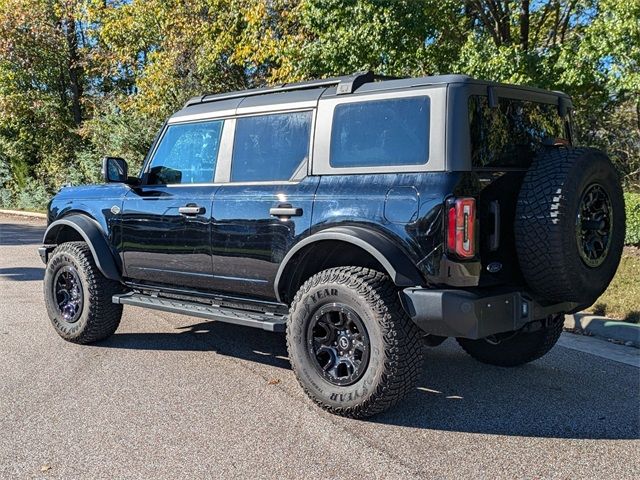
285, 211
191, 210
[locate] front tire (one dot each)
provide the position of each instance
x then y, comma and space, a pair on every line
511, 349
352, 347
78, 296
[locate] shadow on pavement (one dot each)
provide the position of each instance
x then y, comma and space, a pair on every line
21, 234
566, 395
222, 338
22, 274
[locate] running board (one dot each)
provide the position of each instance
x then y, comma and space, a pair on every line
269, 322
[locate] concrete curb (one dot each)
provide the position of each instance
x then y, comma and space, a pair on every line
603, 327
21, 213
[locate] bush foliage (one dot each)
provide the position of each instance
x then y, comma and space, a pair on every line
632, 206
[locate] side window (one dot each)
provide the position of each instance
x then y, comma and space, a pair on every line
270, 147
187, 153
511, 134
381, 133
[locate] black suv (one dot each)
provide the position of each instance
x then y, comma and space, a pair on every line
363, 217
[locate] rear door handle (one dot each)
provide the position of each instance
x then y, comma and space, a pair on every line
285, 211
191, 209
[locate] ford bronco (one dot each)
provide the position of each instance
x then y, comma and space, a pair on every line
365, 218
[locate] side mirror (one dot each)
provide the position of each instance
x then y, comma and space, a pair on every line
114, 169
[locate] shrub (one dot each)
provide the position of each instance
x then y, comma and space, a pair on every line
34, 196
6, 195
6, 198
632, 207
5, 172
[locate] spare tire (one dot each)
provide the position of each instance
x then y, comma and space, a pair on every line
569, 225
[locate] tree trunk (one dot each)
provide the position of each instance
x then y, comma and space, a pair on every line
524, 25
75, 69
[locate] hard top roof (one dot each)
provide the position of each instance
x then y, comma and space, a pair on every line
314, 89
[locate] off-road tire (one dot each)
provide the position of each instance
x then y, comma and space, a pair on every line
396, 349
546, 224
516, 348
100, 317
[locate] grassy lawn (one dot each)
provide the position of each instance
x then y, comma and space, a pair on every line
622, 299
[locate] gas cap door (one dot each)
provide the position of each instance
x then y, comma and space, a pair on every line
402, 205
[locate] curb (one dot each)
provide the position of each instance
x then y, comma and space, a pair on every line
614, 331
21, 213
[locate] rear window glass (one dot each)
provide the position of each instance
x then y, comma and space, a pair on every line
511, 134
270, 147
381, 133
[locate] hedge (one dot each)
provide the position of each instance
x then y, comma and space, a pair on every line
632, 207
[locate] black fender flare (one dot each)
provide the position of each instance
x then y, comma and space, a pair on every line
91, 232
398, 265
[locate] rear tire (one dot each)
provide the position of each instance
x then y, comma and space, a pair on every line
78, 296
514, 348
352, 347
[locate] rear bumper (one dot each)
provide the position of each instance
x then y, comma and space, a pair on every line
462, 313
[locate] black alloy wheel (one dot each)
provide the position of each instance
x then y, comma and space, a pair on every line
593, 225
68, 293
338, 344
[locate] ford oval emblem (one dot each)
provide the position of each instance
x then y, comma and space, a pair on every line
494, 267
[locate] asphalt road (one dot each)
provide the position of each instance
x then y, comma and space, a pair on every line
173, 397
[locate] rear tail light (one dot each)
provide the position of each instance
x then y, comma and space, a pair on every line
461, 219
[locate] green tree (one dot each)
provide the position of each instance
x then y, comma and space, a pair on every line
85, 78
41, 88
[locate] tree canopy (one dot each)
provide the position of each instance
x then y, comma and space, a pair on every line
82, 79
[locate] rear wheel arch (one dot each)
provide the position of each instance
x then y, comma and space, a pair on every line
343, 246
79, 227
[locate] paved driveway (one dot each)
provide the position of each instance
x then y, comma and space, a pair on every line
170, 396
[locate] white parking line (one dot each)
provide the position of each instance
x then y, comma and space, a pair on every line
601, 348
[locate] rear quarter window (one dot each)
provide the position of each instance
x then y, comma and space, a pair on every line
380, 133
512, 133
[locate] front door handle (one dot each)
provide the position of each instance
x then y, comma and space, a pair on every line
191, 209
285, 211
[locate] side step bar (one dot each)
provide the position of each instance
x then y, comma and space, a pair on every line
271, 323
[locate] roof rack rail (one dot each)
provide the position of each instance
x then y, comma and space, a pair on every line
346, 84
